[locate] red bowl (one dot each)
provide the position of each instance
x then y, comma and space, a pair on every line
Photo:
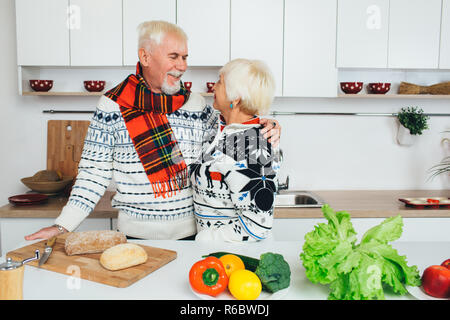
94, 85
41, 85
210, 86
351, 87
188, 85
379, 87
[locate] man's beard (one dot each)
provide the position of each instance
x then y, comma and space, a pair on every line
168, 89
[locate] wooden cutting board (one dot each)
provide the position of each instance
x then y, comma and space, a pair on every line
89, 264
65, 140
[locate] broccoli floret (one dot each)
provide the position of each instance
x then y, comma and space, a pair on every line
273, 271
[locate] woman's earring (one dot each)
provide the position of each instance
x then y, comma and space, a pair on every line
231, 106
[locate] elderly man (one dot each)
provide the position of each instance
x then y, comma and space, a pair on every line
144, 134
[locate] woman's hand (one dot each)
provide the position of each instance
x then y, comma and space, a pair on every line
271, 131
44, 233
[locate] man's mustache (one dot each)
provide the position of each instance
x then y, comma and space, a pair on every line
176, 74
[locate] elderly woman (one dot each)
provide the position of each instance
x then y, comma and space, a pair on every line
234, 181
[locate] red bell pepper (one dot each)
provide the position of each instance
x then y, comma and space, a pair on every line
208, 276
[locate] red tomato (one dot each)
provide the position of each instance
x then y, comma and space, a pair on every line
446, 264
436, 281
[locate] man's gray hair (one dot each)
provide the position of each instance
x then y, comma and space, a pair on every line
155, 31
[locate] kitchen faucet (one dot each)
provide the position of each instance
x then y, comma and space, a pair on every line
283, 186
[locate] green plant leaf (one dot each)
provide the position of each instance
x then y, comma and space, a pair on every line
413, 119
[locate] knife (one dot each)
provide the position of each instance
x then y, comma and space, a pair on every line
47, 251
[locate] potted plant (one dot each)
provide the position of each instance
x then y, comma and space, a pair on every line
412, 123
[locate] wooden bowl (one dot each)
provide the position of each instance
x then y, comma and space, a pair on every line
47, 186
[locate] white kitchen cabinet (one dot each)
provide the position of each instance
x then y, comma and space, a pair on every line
257, 33
136, 12
207, 24
414, 34
310, 48
414, 229
444, 56
96, 38
42, 32
13, 230
362, 34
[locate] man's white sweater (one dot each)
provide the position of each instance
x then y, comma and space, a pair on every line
109, 154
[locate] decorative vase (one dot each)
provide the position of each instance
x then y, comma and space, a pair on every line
404, 137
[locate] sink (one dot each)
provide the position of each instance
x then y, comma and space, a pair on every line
298, 199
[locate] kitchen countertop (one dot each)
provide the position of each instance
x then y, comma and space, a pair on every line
359, 203
53, 208
370, 204
170, 282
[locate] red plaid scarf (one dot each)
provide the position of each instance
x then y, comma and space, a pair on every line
145, 117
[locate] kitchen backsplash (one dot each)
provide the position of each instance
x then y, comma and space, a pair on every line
320, 152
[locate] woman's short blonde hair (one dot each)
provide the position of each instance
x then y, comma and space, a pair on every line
155, 31
252, 82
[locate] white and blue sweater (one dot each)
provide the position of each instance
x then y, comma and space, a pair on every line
109, 154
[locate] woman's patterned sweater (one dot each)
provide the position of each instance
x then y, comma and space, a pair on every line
234, 184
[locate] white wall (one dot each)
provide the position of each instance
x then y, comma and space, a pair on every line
349, 152
321, 152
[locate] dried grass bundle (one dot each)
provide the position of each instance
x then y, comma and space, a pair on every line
410, 88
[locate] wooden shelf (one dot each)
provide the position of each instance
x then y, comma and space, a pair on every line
205, 94
394, 96
53, 93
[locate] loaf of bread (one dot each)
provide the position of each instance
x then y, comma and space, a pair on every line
92, 241
123, 256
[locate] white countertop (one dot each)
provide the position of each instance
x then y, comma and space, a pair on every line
171, 281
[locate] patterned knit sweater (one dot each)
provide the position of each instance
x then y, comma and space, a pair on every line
109, 154
234, 184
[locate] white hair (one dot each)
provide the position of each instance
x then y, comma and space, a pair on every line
154, 32
252, 82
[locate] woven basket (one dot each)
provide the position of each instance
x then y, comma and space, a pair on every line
410, 88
